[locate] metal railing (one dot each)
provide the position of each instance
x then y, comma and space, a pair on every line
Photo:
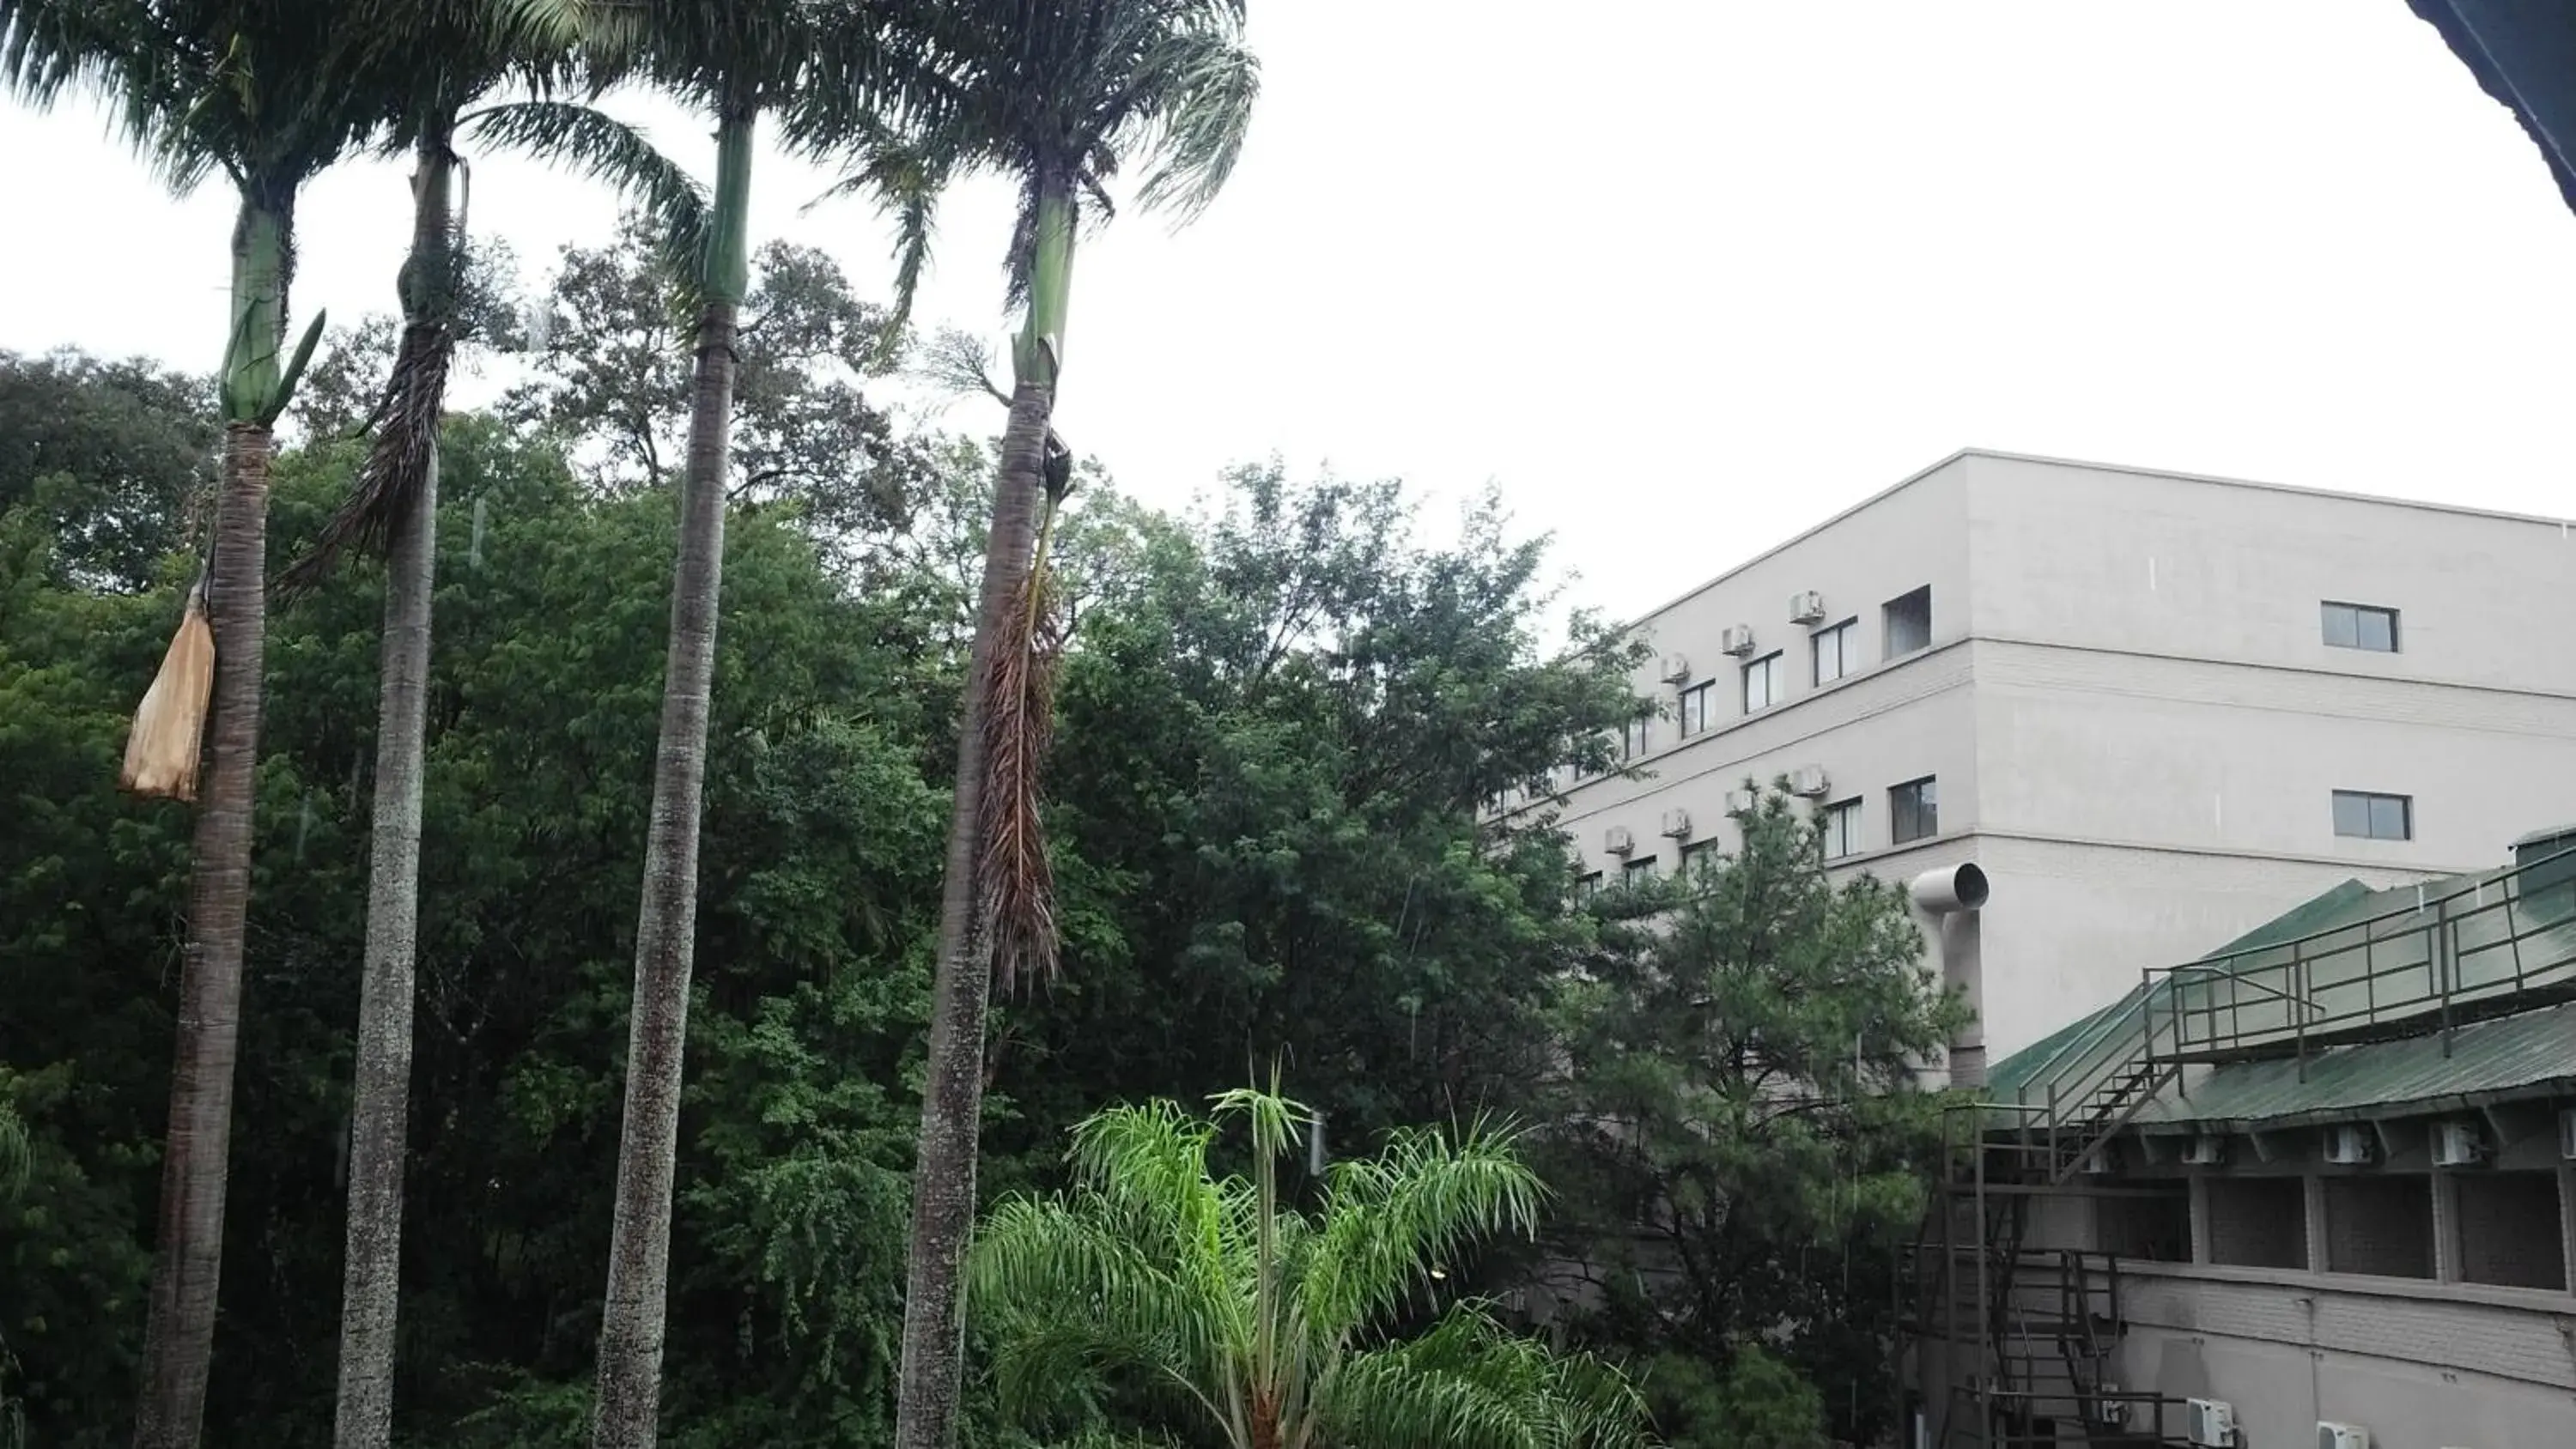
2448, 957
2470, 951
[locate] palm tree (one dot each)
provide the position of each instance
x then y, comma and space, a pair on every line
735, 59
1058, 95
270, 93
1207, 1297
448, 54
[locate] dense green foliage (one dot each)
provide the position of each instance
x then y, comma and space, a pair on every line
1741, 1138
1163, 1291
1279, 719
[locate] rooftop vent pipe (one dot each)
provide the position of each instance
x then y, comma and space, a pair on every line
1953, 895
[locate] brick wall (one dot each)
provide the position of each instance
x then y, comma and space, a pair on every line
2381, 1224
2509, 1229
2258, 1222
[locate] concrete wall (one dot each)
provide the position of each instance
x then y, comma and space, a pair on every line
2126, 559
2487, 1369
2121, 748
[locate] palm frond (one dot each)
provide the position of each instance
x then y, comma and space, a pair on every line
1390, 1220
17, 1154
1204, 82
1014, 871
1076, 1297
904, 177
397, 462
603, 148
957, 362
1470, 1384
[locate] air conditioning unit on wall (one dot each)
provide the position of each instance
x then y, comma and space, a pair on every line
1807, 607
1619, 840
1677, 824
2331, 1435
1808, 780
1738, 639
2348, 1145
2210, 1423
1739, 801
1676, 669
2456, 1144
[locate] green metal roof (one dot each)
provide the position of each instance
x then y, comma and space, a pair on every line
2506, 1056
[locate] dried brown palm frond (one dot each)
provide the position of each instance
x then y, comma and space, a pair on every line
396, 464
1016, 877
170, 726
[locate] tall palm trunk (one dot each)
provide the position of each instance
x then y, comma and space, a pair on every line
630, 1334
952, 1103
179, 1333
371, 1275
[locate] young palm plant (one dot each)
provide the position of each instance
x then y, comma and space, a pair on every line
1058, 95
269, 92
1207, 1298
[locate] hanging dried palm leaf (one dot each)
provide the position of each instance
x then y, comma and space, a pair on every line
1015, 874
170, 725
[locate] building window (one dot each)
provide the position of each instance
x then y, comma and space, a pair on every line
1637, 872
1840, 823
2364, 816
2154, 1225
1698, 859
2361, 626
1914, 811
1633, 738
1587, 885
1907, 622
1837, 650
2258, 1222
1762, 683
1695, 707
2380, 1225
2508, 1229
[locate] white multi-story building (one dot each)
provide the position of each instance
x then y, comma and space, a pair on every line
2153, 709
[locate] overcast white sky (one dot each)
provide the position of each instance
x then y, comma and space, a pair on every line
1680, 278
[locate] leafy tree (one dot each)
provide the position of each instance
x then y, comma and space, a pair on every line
1278, 730
1211, 1299
612, 377
1739, 1120
110, 454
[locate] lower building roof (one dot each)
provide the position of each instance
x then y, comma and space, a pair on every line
2532, 1053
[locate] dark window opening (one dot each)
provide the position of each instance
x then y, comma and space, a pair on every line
1906, 622
2509, 1230
2380, 1225
2156, 1229
2258, 1222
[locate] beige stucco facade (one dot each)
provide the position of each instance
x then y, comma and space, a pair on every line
2127, 701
